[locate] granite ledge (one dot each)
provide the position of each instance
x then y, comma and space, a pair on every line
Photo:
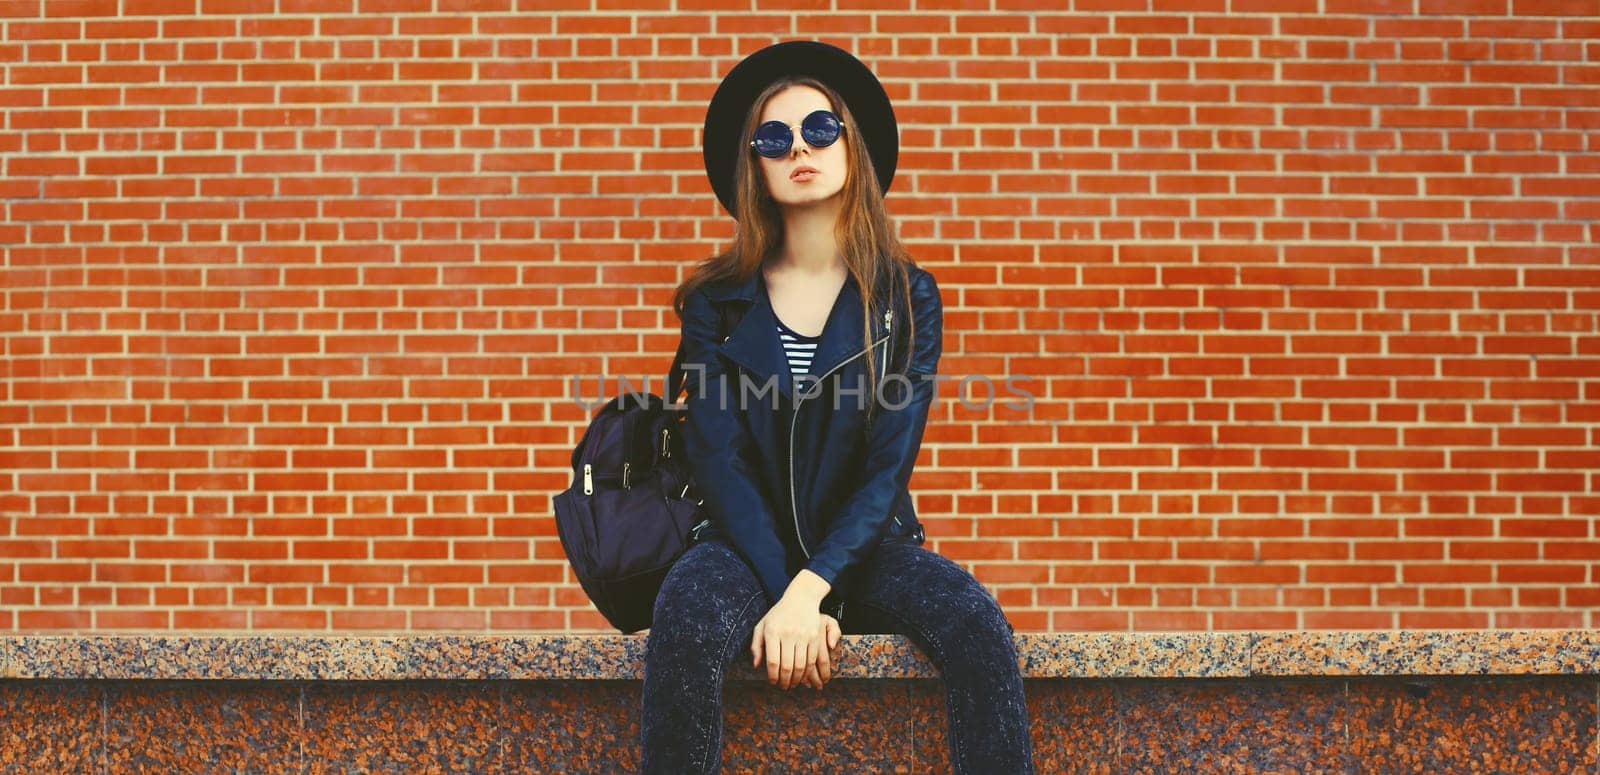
566, 656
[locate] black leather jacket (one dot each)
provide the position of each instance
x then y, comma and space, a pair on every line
795, 479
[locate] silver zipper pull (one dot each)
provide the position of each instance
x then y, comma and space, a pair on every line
888, 318
666, 451
624, 474
588, 479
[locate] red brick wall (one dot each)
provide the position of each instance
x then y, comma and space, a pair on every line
1306, 295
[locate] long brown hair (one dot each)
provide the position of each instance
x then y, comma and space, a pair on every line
872, 252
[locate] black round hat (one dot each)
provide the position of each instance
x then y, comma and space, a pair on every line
860, 89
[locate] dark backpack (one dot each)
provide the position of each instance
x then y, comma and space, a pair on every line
631, 510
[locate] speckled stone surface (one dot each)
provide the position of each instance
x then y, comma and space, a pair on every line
1233, 725
1543, 724
556, 656
1428, 701
227, 726
570, 726
1427, 652
1435, 725
1502, 724
410, 726
51, 726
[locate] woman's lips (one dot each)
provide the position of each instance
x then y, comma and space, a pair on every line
801, 177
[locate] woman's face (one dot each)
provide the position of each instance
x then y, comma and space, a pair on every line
791, 106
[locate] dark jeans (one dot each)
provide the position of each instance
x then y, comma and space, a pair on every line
707, 611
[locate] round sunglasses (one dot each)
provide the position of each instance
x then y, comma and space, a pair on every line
819, 129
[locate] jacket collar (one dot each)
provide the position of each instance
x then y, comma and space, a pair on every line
754, 342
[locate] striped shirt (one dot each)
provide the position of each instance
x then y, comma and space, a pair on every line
798, 348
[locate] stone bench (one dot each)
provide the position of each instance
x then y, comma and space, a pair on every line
1330, 701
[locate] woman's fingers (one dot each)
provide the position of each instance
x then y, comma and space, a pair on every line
793, 653
787, 672
774, 657
824, 667
801, 651
755, 644
799, 657
810, 665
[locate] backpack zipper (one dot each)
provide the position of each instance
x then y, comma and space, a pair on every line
589, 476
799, 400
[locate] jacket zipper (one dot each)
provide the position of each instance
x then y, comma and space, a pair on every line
794, 507
888, 349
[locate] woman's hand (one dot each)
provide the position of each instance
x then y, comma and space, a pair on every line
793, 636
821, 671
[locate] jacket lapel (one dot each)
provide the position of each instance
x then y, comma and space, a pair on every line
841, 334
754, 342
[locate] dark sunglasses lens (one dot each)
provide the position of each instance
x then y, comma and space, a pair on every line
820, 129
772, 139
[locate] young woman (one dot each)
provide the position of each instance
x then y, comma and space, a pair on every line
803, 423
